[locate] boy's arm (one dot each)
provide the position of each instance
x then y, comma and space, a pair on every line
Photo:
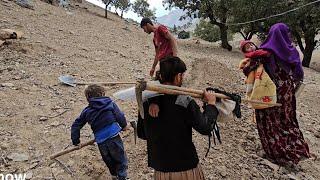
154, 106
258, 53
120, 118
75, 128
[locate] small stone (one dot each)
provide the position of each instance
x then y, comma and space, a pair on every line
17, 78
222, 170
4, 146
34, 165
10, 69
52, 165
43, 118
7, 85
29, 175
293, 177
18, 157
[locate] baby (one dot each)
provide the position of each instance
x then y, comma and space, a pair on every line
253, 57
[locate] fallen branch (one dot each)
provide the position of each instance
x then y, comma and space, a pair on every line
71, 149
66, 110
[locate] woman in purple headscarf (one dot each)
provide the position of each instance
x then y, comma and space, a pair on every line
278, 127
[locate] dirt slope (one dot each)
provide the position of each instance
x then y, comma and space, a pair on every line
36, 111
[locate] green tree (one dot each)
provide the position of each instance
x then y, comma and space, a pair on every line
207, 31
107, 3
123, 5
141, 7
217, 11
304, 23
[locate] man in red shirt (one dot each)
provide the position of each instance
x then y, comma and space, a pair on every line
164, 42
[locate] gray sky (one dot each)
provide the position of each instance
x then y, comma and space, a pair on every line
160, 10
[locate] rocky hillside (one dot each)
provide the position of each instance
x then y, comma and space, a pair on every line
36, 111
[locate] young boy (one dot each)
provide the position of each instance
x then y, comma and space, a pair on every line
251, 62
106, 121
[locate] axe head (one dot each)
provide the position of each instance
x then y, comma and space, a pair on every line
140, 87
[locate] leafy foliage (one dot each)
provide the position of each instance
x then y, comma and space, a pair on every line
304, 23
217, 11
141, 7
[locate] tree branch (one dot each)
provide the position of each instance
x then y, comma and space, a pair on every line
299, 40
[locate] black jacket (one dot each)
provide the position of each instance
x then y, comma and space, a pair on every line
169, 137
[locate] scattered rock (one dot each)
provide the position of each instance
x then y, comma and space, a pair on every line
4, 146
33, 165
292, 177
18, 157
43, 118
7, 85
29, 175
222, 170
255, 172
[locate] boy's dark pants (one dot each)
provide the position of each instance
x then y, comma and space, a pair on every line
113, 154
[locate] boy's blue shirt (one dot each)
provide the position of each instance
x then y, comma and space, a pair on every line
104, 117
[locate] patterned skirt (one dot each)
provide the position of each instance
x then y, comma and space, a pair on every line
278, 127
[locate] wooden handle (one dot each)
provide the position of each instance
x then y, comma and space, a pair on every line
103, 83
184, 90
175, 90
71, 149
162, 90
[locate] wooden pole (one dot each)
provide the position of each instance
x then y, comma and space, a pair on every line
175, 90
53, 156
103, 83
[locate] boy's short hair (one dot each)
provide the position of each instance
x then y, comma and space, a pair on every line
93, 91
170, 67
145, 21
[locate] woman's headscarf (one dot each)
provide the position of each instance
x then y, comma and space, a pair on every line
279, 43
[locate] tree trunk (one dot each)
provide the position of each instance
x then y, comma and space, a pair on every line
299, 39
106, 11
224, 37
308, 50
223, 28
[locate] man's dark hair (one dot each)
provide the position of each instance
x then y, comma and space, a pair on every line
145, 21
93, 91
170, 67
